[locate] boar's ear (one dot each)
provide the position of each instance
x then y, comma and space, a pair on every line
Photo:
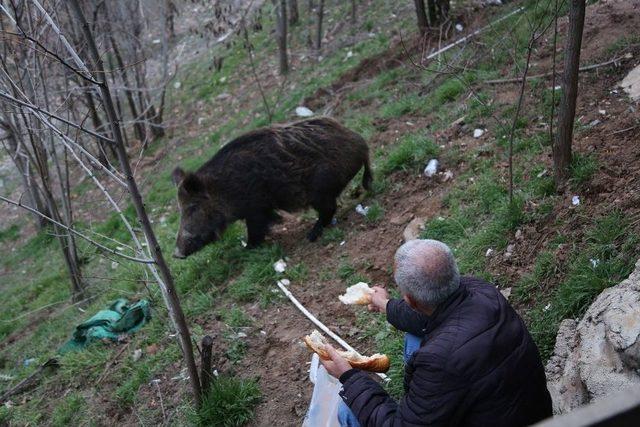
178, 175
191, 183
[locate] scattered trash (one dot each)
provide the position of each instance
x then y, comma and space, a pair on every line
595, 122
594, 262
334, 220
448, 175
222, 79
215, 373
575, 200
241, 335
284, 282
477, 133
243, 243
506, 292
557, 87
5, 377
459, 27
280, 266
342, 243
200, 121
518, 234
114, 265
547, 307
30, 361
112, 323
137, 355
431, 169
156, 41
183, 376
176, 85
509, 251
263, 332
603, 112
541, 174
349, 55
303, 112
362, 210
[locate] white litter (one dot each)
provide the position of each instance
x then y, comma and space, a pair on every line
448, 175
362, 210
594, 262
477, 133
459, 27
547, 307
137, 355
176, 85
603, 112
280, 266
285, 282
595, 122
263, 332
349, 55
114, 265
156, 41
541, 174
431, 169
241, 335
342, 243
575, 200
631, 83
303, 112
488, 253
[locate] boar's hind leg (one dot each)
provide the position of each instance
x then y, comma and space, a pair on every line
257, 227
326, 207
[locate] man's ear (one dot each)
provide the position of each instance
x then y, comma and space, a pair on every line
178, 175
407, 298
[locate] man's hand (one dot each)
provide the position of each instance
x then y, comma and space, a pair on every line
379, 300
337, 365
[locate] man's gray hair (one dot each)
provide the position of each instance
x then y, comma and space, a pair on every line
427, 271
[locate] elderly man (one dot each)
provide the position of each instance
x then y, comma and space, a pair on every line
473, 363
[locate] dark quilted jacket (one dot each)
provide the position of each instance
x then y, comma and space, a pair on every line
477, 366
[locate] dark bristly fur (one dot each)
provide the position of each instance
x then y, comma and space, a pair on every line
288, 167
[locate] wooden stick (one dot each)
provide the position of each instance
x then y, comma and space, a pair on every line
318, 323
205, 366
543, 75
28, 382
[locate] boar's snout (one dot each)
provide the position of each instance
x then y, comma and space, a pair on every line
178, 254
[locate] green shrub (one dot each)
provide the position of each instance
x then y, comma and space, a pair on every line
229, 403
583, 166
411, 152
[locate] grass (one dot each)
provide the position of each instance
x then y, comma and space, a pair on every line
374, 213
229, 403
582, 168
11, 233
608, 256
410, 154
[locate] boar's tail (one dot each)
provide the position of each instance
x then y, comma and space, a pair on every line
367, 177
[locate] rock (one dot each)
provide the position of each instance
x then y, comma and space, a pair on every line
399, 219
137, 355
631, 83
477, 133
518, 234
413, 229
600, 354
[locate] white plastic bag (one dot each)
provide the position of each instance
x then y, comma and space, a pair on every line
323, 409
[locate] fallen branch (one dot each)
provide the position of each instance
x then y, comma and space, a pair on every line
549, 74
110, 364
29, 382
318, 323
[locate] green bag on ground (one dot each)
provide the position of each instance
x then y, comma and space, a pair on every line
120, 318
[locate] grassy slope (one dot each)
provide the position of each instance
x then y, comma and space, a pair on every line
477, 217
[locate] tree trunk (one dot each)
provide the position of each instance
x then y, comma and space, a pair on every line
294, 15
281, 35
421, 15
166, 285
310, 23
567, 108
137, 124
354, 12
433, 15
443, 9
319, 27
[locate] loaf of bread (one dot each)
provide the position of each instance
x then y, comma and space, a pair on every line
376, 363
360, 293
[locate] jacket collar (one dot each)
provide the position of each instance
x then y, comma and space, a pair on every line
446, 308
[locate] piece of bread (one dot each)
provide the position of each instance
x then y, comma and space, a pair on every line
360, 294
376, 363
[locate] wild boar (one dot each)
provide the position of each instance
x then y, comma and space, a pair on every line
288, 167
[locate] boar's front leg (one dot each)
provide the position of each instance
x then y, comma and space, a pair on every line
257, 227
326, 207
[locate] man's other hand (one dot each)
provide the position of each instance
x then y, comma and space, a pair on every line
337, 365
379, 300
